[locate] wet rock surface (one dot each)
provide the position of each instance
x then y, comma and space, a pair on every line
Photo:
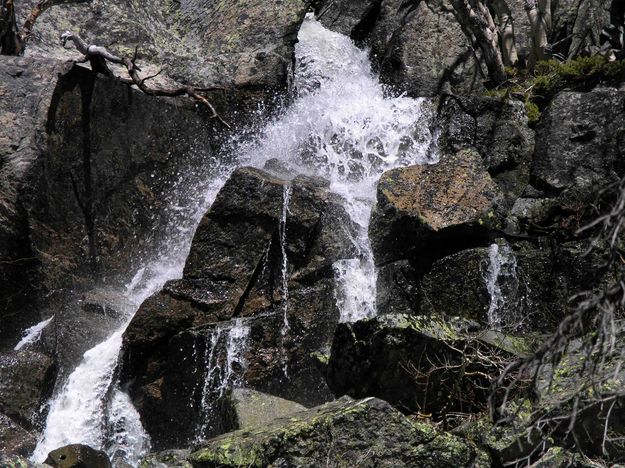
26, 381
245, 260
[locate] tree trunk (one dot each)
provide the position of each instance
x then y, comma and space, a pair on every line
539, 15
506, 33
474, 17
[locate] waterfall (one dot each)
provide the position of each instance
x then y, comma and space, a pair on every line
224, 365
342, 126
502, 285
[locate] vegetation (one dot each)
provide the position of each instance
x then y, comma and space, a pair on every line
538, 86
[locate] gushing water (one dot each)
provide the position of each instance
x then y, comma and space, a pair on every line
31, 335
345, 128
342, 126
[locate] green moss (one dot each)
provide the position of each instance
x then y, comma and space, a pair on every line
537, 87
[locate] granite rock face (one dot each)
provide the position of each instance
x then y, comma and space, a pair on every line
429, 207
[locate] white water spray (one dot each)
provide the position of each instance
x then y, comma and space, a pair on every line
33, 334
343, 127
225, 365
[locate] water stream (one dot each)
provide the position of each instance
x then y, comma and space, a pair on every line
342, 126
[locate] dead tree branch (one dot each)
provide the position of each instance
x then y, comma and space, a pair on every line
99, 56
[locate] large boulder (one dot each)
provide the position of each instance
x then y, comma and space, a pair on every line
259, 270
255, 409
423, 210
26, 381
78, 456
343, 433
498, 130
580, 142
432, 365
421, 49
352, 18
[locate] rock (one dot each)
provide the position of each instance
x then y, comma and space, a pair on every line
234, 282
77, 456
423, 210
254, 409
349, 17
167, 459
248, 44
25, 88
26, 382
413, 362
422, 50
340, 433
497, 129
579, 143
14, 440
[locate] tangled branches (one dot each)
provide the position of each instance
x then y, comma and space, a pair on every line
576, 374
99, 56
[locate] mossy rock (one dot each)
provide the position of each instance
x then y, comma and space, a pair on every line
343, 433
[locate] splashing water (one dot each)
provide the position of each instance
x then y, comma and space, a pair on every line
342, 126
31, 335
225, 365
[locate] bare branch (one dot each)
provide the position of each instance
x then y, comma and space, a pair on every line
93, 52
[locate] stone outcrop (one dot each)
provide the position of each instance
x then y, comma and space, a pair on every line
423, 209
14, 440
579, 142
498, 130
367, 432
254, 408
421, 49
426, 364
261, 259
243, 44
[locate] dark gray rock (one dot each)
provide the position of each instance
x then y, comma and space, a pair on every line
26, 381
15, 441
236, 270
421, 49
205, 43
352, 18
414, 362
580, 142
78, 456
497, 129
343, 433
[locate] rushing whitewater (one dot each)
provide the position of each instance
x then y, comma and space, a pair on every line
341, 126
345, 128
502, 286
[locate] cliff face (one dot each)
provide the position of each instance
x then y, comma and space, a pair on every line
473, 256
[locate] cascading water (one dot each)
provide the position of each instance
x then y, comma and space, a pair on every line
502, 285
224, 367
32, 334
345, 128
342, 126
